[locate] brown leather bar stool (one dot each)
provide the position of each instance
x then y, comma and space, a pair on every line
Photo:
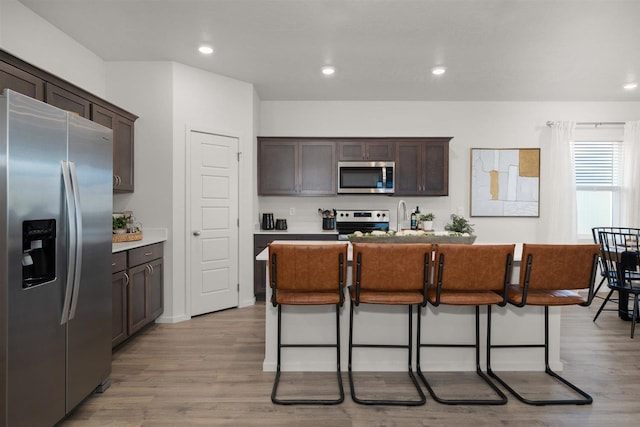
390, 274
549, 276
468, 275
308, 274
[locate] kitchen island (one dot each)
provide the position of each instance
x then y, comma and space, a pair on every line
388, 325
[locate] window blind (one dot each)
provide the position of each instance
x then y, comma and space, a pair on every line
598, 164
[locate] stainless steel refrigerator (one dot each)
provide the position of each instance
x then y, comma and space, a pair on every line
55, 260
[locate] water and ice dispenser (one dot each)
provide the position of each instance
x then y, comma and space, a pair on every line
38, 252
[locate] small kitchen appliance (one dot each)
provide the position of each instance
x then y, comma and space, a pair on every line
366, 177
268, 223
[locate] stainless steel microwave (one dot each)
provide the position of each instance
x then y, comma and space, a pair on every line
366, 177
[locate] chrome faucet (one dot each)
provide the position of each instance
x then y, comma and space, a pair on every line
402, 204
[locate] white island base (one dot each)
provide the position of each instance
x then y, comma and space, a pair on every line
381, 324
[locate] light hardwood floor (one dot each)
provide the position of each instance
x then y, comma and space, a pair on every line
208, 371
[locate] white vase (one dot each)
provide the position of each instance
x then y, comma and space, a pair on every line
427, 225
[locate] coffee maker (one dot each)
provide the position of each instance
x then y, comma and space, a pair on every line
268, 222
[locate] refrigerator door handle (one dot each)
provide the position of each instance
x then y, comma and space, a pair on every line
66, 179
78, 260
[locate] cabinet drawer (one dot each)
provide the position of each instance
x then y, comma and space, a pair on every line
144, 254
118, 262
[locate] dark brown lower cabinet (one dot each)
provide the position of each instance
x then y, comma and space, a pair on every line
138, 294
119, 281
145, 298
260, 242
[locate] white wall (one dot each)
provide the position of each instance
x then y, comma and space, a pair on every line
218, 104
34, 40
471, 124
169, 98
144, 88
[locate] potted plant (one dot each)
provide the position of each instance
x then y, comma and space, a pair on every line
426, 221
119, 224
459, 224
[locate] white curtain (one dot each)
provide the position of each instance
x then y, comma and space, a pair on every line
558, 205
630, 194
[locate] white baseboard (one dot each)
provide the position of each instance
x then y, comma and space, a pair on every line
173, 319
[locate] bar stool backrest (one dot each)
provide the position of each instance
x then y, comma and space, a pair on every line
473, 267
308, 267
392, 266
557, 267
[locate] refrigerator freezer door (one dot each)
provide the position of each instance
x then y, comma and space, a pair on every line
34, 140
89, 326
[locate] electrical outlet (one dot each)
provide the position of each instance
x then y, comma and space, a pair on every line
292, 211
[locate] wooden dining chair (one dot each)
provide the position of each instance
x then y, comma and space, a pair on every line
388, 274
303, 275
468, 275
550, 275
619, 261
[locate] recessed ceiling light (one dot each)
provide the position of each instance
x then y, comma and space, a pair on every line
438, 71
207, 50
630, 86
328, 70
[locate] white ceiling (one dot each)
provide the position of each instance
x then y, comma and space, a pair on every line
499, 50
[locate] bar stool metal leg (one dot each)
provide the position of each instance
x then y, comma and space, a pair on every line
421, 397
586, 399
276, 381
501, 400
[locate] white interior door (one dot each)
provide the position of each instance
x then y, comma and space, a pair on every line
214, 222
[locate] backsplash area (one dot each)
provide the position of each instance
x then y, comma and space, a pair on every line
304, 210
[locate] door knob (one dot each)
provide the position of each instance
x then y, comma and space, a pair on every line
196, 233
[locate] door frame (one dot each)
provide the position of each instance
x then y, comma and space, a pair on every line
188, 229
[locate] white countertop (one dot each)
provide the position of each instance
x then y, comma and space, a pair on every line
149, 237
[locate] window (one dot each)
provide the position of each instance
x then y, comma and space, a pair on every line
598, 166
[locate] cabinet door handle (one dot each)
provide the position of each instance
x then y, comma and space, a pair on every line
196, 232
148, 253
126, 276
152, 269
113, 264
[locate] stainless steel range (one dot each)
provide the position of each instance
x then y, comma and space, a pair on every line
366, 221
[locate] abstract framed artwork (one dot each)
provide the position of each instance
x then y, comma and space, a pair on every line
505, 182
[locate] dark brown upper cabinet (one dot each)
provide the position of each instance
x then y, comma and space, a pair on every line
32, 81
20, 81
296, 167
422, 167
122, 146
354, 150
67, 100
307, 166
